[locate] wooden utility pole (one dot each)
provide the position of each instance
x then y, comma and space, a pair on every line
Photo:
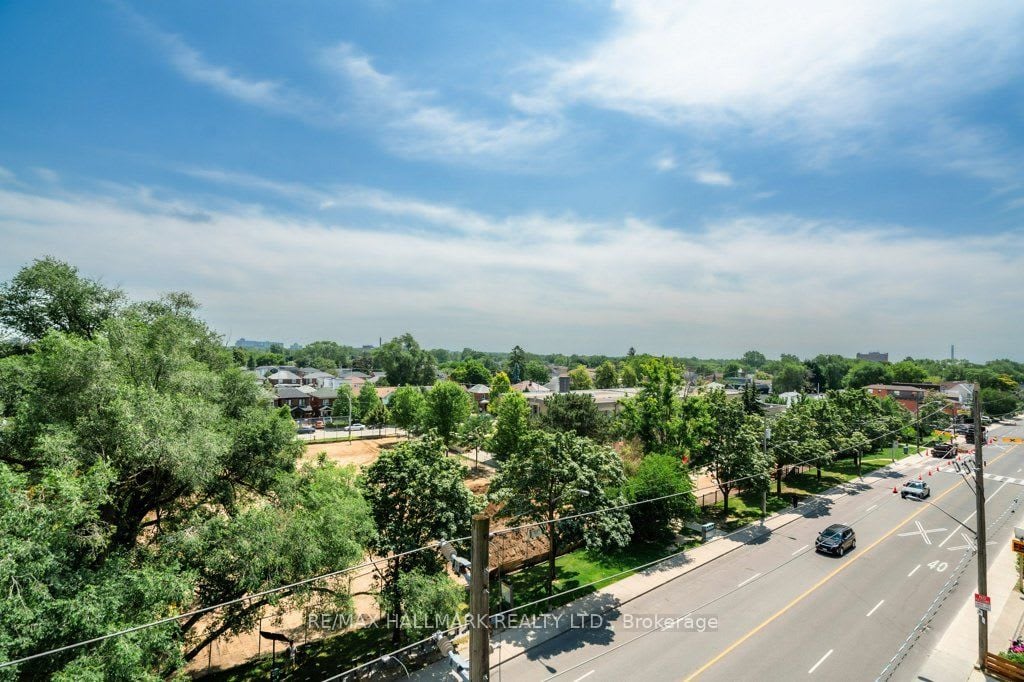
979, 490
479, 606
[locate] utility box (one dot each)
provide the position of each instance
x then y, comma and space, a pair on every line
705, 529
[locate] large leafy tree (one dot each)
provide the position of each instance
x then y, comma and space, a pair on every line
732, 448
417, 497
754, 358
144, 475
408, 407
470, 371
665, 481
866, 373
50, 295
500, 385
606, 376
579, 379
512, 424
537, 371
367, 401
405, 362
576, 413
909, 371
998, 403
828, 371
656, 416
560, 474
447, 406
475, 432
790, 376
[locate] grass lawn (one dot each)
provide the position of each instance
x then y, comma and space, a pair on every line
580, 568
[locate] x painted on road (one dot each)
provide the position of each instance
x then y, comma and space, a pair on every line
922, 532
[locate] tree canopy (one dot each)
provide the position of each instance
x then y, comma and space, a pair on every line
405, 362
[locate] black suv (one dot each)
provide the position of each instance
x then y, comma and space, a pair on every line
836, 539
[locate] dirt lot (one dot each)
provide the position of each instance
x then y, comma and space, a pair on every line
358, 452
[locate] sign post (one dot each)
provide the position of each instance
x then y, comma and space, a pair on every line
982, 602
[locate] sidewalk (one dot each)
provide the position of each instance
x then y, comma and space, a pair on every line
954, 657
515, 641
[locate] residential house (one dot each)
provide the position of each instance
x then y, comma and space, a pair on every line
606, 399
295, 400
909, 397
530, 387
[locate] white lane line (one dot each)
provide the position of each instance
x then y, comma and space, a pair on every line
799, 550
874, 506
583, 677
820, 661
914, 571
753, 577
874, 609
970, 516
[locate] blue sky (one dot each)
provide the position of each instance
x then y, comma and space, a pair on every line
686, 178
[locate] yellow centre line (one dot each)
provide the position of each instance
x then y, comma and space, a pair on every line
824, 580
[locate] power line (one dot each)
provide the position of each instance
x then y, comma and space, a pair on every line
214, 607
731, 484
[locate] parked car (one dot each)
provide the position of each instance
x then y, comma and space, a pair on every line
944, 450
837, 539
355, 427
305, 429
918, 489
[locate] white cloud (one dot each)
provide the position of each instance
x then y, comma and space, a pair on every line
416, 125
7, 175
801, 67
46, 174
715, 178
775, 282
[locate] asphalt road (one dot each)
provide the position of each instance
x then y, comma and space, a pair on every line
785, 612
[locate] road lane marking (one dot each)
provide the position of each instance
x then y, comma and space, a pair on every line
922, 532
874, 506
799, 550
853, 559
915, 570
876, 606
583, 677
820, 661
753, 577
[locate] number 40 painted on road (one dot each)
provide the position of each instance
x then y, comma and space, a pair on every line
938, 566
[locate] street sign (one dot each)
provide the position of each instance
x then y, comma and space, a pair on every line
1018, 546
1010, 439
506, 593
982, 602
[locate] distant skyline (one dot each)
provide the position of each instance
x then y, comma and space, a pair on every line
699, 178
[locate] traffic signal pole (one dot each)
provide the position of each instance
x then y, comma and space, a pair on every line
979, 490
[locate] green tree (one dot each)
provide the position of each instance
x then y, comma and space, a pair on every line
733, 448
790, 376
866, 373
474, 433
574, 413
367, 400
754, 359
431, 601
512, 424
579, 379
516, 365
447, 406
341, 405
606, 376
417, 497
160, 480
559, 474
732, 369
996, 403
408, 408
828, 371
405, 362
629, 378
50, 295
537, 372
500, 385
656, 416
908, 371
665, 481
470, 371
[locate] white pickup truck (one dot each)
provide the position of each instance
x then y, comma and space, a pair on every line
918, 489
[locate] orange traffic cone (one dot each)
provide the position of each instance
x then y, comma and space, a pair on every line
919, 477
929, 472
894, 490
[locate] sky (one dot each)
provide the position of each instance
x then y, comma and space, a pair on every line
686, 178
